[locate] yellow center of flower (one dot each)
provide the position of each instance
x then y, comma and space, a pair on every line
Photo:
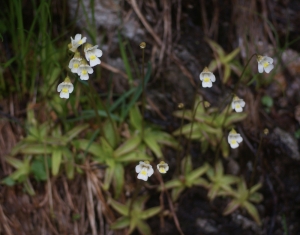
237, 105
143, 172
233, 142
92, 57
80, 42
266, 64
206, 79
162, 169
84, 72
65, 90
75, 65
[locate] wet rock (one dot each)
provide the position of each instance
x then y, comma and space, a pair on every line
206, 225
289, 141
246, 223
106, 16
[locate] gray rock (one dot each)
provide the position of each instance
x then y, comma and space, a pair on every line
289, 141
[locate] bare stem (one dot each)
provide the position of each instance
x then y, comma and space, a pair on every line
142, 46
181, 105
255, 160
193, 119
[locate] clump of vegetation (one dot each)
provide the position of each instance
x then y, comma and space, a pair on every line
129, 164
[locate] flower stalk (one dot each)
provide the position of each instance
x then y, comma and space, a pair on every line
142, 46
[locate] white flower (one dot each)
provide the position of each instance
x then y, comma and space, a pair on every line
234, 139
92, 54
238, 104
207, 78
162, 167
65, 88
144, 170
76, 42
75, 62
84, 70
264, 63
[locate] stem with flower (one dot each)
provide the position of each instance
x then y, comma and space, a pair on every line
142, 46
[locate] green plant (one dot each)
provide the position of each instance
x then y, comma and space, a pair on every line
116, 155
227, 61
187, 179
133, 215
243, 197
152, 137
220, 183
43, 141
208, 125
21, 175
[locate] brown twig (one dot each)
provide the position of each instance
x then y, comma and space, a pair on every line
90, 206
178, 17
68, 195
4, 222
204, 18
106, 210
113, 69
213, 31
155, 108
177, 224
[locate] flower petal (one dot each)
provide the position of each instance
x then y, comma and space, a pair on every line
212, 77
90, 70
150, 171
260, 68
201, 76
71, 88
238, 109
77, 37
242, 103
234, 146
74, 70
207, 84
98, 53
59, 87
71, 63
94, 62
87, 55
84, 77
269, 59
83, 40
269, 68
142, 177
138, 169
64, 95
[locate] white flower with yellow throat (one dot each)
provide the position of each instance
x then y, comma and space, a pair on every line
265, 63
162, 167
65, 88
75, 62
144, 170
92, 54
234, 139
84, 70
238, 104
207, 78
76, 42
